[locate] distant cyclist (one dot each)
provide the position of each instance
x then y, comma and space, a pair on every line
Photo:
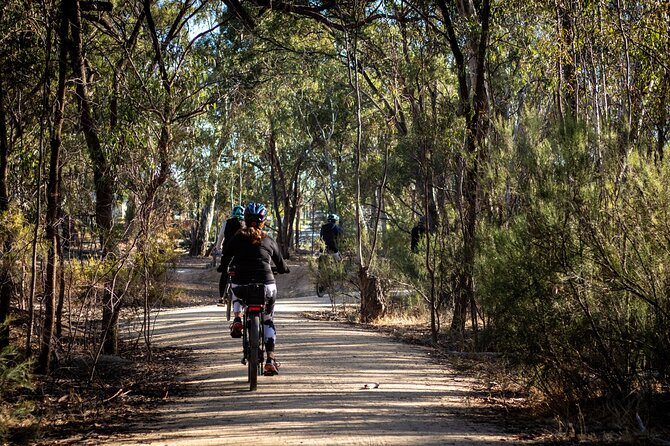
228, 230
251, 253
417, 232
330, 234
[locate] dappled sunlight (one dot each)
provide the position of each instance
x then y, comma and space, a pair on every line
338, 384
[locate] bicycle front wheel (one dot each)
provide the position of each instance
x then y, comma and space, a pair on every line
254, 340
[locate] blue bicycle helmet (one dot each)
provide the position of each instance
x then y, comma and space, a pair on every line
238, 212
255, 213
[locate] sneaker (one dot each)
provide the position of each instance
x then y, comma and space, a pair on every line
221, 302
271, 368
236, 329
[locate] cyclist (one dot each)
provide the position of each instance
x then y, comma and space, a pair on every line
228, 230
417, 232
252, 251
330, 234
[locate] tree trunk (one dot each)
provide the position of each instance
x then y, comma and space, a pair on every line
372, 296
661, 121
285, 195
53, 199
5, 277
102, 174
61, 288
473, 106
568, 86
199, 245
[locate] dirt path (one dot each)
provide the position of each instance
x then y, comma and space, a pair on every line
338, 385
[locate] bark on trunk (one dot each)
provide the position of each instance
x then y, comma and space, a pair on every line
61, 288
199, 245
661, 121
5, 278
286, 196
473, 104
372, 296
53, 199
102, 174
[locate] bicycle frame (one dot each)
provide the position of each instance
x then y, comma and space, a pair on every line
253, 297
228, 294
253, 339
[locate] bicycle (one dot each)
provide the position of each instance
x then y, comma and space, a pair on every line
253, 334
227, 295
329, 271
323, 282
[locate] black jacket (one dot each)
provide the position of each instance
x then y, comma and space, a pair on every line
232, 226
253, 264
330, 233
417, 232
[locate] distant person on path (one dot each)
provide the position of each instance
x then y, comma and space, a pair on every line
330, 234
228, 230
417, 232
251, 253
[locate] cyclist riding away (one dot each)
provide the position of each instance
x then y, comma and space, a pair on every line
228, 230
252, 251
417, 232
330, 234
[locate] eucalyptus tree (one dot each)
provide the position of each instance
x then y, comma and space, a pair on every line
269, 131
333, 17
167, 89
297, 138
151, 81
226, 54
53, 196
27, 31
317, 103
7, 53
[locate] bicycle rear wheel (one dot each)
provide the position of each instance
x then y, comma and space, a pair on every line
254, 340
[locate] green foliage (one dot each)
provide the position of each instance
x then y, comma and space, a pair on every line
334, 274
16, 413
409, 271
576, 285
14, 373
15, 246
406, 267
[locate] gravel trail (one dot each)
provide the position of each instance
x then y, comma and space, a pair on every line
338, 385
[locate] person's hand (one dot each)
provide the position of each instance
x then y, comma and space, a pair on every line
286, 270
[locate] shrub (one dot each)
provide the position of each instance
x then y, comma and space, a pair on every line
577, 285
16, 418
